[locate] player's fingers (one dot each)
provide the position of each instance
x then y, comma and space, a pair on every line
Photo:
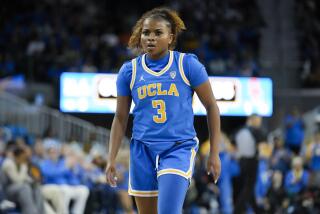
112, 179
109, 177
216, 173
211, 171
107, 173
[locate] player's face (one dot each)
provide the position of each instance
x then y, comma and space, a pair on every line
156, 37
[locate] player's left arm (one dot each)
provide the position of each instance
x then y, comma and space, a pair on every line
208, 100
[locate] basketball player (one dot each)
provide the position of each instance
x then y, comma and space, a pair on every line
161, 83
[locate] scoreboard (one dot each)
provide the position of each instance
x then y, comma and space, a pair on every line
97, 92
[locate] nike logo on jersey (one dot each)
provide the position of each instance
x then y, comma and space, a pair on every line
154, 89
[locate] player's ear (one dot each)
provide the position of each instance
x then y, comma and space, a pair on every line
170, 38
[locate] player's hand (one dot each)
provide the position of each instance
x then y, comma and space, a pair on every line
214, 166
111, 175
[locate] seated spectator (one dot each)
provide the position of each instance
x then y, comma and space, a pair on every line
38, 152
58, 174
296, 179
313, 158
276, 193
296, 182
18, 185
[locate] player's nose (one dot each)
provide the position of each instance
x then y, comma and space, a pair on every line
151, 37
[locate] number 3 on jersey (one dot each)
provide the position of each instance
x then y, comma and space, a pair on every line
161, 116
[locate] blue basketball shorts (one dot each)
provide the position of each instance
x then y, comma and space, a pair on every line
149, 160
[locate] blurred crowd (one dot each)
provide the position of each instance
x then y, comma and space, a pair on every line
44, 175
275, 172
308, 26
43, 39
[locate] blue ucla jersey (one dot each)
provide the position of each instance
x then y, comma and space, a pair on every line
163, 99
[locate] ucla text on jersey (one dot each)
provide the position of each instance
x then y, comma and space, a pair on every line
163, 101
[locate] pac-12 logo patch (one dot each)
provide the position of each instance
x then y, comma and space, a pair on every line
172, 74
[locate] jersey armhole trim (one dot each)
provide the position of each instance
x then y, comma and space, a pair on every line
134, 72
181, 70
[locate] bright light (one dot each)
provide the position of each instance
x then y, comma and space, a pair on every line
236, 96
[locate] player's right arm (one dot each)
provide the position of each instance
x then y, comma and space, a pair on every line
118, 129
120, 120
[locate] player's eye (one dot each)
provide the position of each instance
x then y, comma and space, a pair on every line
145, 32
158, 33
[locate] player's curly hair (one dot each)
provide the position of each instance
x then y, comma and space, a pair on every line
176, 25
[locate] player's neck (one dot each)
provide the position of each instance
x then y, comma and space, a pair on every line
160, 56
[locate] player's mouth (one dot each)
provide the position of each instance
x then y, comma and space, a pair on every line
151, 47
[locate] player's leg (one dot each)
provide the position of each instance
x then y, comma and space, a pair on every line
172, 192
126, 201
143, 178
175, 170
146, 205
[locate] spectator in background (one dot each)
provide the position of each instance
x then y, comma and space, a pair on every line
90, 36
294, 131
264, 175
308, 22
123, 181
38, 153
276, 193
102, 198
18, 185
5, 136
203, 193
313, 158
247, 141
231, 169
296, 182
281, 157
52, 195
58, 173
